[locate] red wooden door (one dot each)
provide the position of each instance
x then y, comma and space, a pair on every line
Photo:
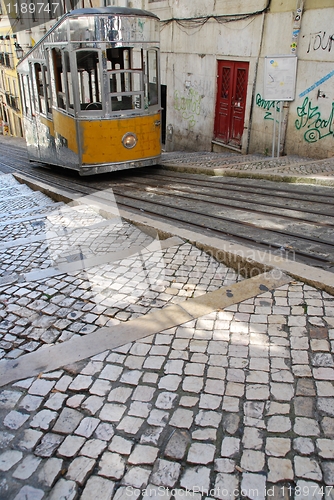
231, 101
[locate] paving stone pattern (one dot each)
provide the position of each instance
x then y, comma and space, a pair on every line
236, 404
284, 165
45, 311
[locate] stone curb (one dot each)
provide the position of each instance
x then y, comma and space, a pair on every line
246, 260
229, 172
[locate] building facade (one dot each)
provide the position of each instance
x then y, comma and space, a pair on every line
10, 107
22, 25
226, 68
226, 65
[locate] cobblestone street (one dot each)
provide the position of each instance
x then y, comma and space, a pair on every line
205, 385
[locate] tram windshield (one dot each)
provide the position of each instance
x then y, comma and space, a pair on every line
125, 74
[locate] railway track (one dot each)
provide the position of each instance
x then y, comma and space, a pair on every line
294, 220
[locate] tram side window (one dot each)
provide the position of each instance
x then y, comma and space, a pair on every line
41, 104
59, 78
152, 57
63, 79
88, 64
69, 85
25, 93
43, 90
47, 89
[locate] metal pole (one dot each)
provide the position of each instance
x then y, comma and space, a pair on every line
279, 128
274, 132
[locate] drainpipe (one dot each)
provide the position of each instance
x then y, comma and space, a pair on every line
254, 83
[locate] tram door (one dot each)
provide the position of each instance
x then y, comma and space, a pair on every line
231, 102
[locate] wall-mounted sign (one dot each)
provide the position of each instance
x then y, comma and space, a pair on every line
280, 78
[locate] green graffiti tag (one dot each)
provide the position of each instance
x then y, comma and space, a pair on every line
189, 105
267, 106
310, 117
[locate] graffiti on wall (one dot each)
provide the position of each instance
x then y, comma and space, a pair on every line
189, 105
320, 40
316, 84
311, 120
267, 106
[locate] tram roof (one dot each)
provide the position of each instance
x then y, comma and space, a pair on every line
125, 11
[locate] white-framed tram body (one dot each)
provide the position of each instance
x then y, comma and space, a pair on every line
90, 91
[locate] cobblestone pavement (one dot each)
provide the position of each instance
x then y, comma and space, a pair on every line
284, 166
235, 403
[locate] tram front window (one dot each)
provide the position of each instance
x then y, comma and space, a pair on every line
89, 80
124, 67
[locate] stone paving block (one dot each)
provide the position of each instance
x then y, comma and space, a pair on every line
15, 419
143, 454
137, 477
29, 493
98, 487
130, 425
67, 422
80, 469
279, 469
307, 468
201, 453
254, 485
151, 435
112, 466
226, 483
70, 446
177, 444
50, 471
64, 489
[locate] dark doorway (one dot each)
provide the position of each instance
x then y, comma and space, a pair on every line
163, 112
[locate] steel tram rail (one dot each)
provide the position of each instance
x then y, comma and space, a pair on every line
131, 201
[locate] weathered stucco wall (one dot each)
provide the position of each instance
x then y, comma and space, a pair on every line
276, 41
189, 69
189, 58
311, 120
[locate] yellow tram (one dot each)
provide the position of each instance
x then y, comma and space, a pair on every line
90, 91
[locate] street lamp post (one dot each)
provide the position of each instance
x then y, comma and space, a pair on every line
18, 50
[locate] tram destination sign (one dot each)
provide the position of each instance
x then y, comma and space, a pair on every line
280, 78
24, 15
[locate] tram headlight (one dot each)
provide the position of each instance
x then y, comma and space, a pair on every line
129, 140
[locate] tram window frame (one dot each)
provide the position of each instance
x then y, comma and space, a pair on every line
63, 98
124, 64
57, 62
68, 81
35, 98
89, 82
26, 95
43, 100
152, 77
46, 76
